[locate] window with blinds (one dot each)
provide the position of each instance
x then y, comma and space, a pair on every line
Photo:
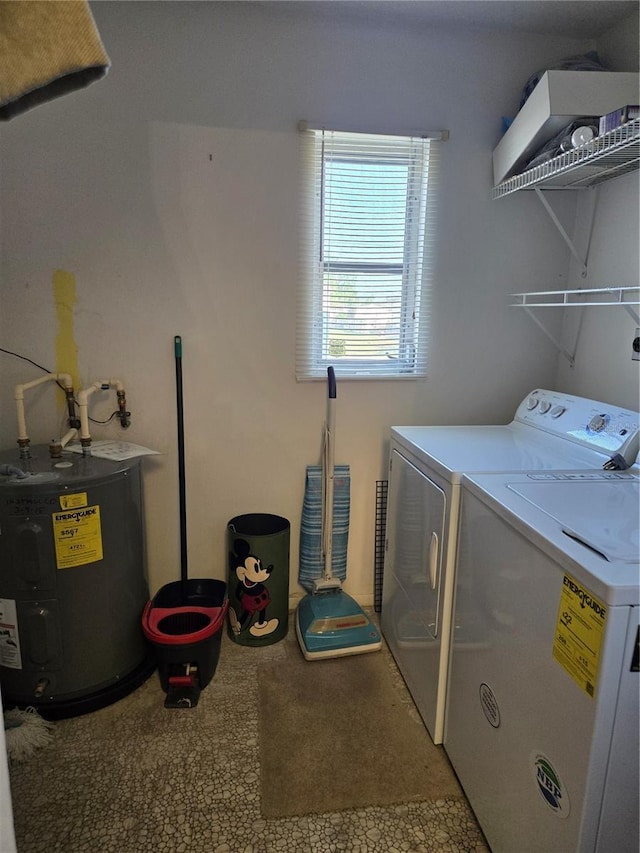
367, 255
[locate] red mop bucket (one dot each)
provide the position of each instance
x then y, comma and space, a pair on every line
185, 629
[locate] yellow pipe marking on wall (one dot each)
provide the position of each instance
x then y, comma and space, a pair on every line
64, 294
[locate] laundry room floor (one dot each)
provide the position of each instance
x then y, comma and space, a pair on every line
138, 778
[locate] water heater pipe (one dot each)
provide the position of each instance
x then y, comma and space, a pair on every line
83, 405
57, 445
23, 437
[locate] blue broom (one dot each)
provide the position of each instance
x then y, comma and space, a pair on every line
329, 623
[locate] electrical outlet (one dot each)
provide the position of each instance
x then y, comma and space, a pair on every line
635, 347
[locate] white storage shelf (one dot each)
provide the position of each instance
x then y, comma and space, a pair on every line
558, 98
578, 298
627, 297
608, 156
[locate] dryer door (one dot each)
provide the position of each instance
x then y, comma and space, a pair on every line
415, 533
412, 585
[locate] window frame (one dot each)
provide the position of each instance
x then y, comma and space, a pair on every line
313, 323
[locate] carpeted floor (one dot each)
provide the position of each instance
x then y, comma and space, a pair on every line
336, 734
137, 778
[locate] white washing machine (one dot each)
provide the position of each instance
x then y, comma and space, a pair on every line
543, 705
550, 431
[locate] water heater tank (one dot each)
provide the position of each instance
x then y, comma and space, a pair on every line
73, 582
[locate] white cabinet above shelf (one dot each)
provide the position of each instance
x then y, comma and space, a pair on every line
608, 156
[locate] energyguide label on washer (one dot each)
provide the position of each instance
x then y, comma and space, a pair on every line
77, 532
579, 631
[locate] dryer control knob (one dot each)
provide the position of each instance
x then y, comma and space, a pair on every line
557, 411
545, 405
598, 423
532, 402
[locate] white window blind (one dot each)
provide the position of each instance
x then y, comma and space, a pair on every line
367, 255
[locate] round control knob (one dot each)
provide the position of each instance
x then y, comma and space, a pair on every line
598, 423
545, 406
557, 411
532, 402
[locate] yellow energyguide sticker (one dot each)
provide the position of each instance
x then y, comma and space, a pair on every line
579, 632
77, 535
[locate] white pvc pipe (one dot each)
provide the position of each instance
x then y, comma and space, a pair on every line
83, 402
66, 380
67, 438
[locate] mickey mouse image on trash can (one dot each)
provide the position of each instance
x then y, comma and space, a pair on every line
251, 592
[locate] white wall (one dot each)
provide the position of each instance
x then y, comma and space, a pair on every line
618, 46
169, 191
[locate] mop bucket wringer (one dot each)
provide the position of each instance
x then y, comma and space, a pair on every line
184, 625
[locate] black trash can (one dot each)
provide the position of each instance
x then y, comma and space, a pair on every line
258, 547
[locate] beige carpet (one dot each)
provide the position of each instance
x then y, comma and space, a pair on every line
339, 734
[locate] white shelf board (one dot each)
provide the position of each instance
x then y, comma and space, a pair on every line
578, 298
608, 156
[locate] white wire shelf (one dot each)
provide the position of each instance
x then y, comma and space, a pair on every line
608, 156
577, 298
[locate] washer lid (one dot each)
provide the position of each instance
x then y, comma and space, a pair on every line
600, 512
585, 521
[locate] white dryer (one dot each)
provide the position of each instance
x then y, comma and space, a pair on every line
550, 431
543, 707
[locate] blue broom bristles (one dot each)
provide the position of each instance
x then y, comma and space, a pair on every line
311, 553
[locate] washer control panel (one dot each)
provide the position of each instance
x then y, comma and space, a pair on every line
581, 476
609, 429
